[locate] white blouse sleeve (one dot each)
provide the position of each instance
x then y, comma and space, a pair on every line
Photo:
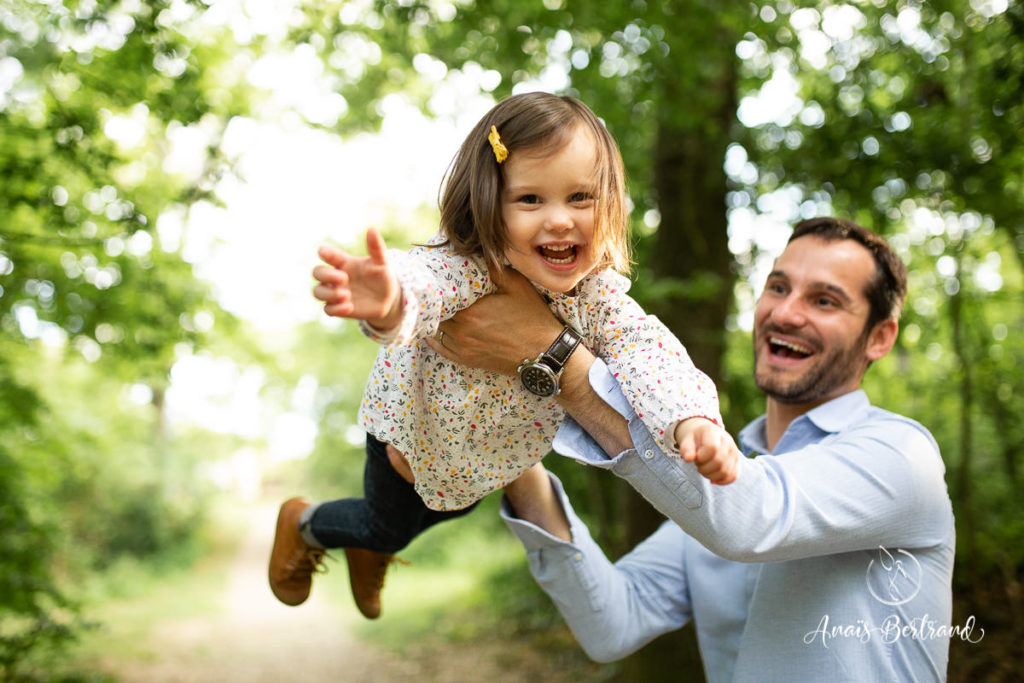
435, 284
650, 364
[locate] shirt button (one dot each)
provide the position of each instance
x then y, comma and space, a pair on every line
578, 557
648, 454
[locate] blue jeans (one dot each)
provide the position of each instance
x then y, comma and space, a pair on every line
386, 519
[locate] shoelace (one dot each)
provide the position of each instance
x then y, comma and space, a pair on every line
311, 561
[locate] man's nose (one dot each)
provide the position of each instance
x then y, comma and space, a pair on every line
789, 312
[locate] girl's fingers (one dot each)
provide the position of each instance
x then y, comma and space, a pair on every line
329, 295
329, 275
341, 310
376, 248
332, 255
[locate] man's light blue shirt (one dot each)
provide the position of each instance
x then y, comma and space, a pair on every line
829, 559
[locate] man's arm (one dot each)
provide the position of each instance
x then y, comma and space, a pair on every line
533, 499
612, 609
856, 493
498, 331
480, 337
878, 484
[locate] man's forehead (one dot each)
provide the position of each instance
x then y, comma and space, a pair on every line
843, 264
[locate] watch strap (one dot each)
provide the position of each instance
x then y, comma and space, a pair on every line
565, 343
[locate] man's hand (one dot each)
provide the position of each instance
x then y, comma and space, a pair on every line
703, 442
363, 288
499, 330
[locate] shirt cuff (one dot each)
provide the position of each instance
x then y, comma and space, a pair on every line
572, 441
534, 537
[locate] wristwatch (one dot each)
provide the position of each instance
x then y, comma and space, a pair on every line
540, 375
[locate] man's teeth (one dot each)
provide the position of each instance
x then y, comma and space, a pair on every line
790, 345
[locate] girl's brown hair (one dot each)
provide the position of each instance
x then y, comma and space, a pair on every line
471, 192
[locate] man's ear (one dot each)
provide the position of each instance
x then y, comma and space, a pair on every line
881, 339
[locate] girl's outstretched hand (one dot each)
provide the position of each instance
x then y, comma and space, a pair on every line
710, 447
359, 287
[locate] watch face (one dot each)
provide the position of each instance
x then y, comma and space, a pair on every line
539, 380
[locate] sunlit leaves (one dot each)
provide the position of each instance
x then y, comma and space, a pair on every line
110, 115
102, 107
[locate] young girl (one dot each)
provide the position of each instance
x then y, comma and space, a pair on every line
538, 186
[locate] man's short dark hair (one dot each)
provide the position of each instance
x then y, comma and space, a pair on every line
886, 291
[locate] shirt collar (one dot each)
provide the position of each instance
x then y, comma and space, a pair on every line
830, 417
752, 438
840, 412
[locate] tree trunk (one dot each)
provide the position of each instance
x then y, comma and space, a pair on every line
965, 516
690, 248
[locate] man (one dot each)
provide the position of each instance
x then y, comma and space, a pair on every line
829, 558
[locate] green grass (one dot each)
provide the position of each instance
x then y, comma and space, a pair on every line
466, 587
125, 602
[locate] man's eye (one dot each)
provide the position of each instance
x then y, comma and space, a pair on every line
825, 302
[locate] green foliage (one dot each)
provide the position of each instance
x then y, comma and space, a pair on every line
93, 298
29, 599
908, 122
34, 612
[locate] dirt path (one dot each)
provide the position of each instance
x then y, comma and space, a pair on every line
255, 639
258, 640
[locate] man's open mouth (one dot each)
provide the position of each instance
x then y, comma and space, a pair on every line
558, 254
788, 349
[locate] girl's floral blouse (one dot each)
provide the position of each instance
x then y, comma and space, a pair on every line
467, 432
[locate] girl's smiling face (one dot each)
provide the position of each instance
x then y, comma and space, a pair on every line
548, 208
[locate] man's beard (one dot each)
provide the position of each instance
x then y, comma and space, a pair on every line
818, 382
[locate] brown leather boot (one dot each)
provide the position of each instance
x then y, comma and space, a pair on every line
292, 560
366, 570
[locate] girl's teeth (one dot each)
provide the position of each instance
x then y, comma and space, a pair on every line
560, 254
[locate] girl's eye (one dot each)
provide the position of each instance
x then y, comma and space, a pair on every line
580, 197
529, 199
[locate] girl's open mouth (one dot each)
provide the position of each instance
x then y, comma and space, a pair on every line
561, 254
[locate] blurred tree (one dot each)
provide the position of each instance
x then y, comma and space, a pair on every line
28, 593
95, 99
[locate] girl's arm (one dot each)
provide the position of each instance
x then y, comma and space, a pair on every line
653, 369
430, 284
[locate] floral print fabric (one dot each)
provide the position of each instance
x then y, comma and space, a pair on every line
467, 432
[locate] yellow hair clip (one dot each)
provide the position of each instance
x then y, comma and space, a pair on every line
500, 151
